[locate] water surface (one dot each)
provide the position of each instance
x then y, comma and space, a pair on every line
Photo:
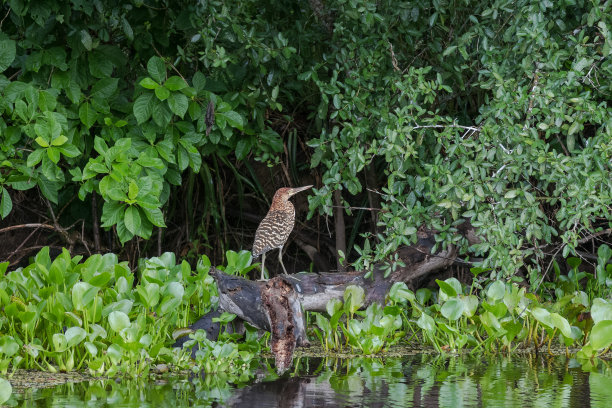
421, 380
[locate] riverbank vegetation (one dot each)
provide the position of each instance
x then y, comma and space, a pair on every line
93, 314
155, 132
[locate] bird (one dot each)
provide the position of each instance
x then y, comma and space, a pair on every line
275, 228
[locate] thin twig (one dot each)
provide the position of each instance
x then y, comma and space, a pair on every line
95, 226
468, 128
9, 12
63, 232
595, 235
358, 208
21, 245
530, 106
83, 237
389, 196
15, 74
33, 225
29, 249
393, 59
171, 64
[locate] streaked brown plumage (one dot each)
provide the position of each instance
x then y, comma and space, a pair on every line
275, 228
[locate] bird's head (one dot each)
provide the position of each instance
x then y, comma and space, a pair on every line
283, 194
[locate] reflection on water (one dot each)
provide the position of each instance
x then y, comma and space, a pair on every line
413, 381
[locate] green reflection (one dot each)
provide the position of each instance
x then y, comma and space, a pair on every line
418, 380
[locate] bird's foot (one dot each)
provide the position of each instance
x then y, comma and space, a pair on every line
292, 277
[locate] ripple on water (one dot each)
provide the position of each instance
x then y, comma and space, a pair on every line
412, 381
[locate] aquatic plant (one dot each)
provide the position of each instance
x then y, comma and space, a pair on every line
499, 316
71, 313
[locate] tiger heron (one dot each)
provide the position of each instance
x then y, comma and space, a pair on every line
275, 228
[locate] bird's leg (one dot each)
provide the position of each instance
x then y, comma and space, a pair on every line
280, 258
263, 261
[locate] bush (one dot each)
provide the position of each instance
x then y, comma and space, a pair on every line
496, 114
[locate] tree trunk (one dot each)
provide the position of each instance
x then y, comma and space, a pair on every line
340, 231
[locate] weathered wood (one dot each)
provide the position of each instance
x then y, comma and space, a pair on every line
278, 305
241, 297
314, 290
287, 323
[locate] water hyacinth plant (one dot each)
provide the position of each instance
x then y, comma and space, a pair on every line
66, 314
95, 314
500, 316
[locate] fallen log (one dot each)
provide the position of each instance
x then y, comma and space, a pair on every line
278, 305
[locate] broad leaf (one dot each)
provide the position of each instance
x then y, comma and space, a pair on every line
157, 69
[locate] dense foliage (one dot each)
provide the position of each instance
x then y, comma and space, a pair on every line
494, 112
89, 314
98, 97
497, 113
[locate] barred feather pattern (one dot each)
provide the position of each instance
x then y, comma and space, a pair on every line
274, 229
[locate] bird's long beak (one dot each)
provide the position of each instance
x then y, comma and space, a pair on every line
298, 189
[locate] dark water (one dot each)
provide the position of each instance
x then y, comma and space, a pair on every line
413, 381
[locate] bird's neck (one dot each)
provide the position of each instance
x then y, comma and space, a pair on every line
282, 206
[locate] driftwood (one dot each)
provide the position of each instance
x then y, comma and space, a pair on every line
278, 305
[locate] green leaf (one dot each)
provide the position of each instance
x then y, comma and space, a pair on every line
75, 335
86, 40
155, 215
195, 110
601, 335
42, 142
452, 309
243, 147
157, 69
542, 316
562, 324
445, 204
353, 298
575, 127
132, 190
81, 295
448, 289
178, 104
162, 93
7, 56
69, 150
118, 320
497, 290
6, 204
104, 88
470, 304
199, 81
112, 213
161, 113
601, 310
59, 342
87, 115
234, 119
58, 141
426, 323
333, 305
175, 83
148, 83
399, 292
49, 189
35, 157
143, 107
54, 155
132, 220
511, 194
